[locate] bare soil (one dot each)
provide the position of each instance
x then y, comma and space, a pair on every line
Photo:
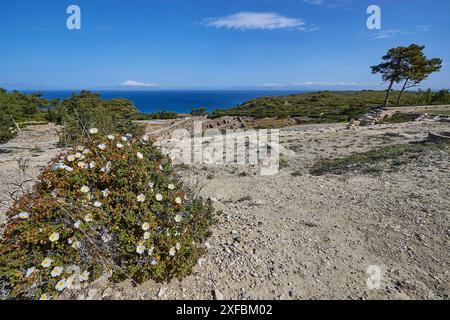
298, 236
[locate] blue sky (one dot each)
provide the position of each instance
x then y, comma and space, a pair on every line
213, 44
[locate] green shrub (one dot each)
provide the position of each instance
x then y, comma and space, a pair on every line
6, 128
87, 110
401, 118
113, 205
164, 115
198, 112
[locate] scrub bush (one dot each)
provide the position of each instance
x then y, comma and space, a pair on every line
111, 206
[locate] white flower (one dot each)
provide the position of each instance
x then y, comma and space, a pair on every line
124, 139
102, 146
140, 198
86, 151
178, 217
171, 186
69, 169
84, 276
111, 137
77, 224
150, 184
24, 215
105, 193
84, 189
76, 245
80, 148
150, 251
178, 246
54, 237
97, 204
46, 262
56, 272
119, 145
70, 240
140, 155
159, 197
140, 248
178, 200
160, 167
154, 262
88, 217
172, 251
106, 168
106, 238
44, 296
30, 271
93, 130
146, 235
145, 226
61, 285
71, 158
145, 137
78, 155
82, 165
92, 164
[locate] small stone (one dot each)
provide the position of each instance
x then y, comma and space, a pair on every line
107, 293
201, 261
161, 292
81, 297
217, 295
92, 294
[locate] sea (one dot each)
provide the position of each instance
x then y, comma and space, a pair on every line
178, 100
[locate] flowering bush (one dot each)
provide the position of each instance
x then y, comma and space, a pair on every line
113, 205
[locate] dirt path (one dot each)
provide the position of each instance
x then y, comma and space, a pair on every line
34, 146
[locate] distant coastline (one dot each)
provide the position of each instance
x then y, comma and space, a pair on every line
179, 101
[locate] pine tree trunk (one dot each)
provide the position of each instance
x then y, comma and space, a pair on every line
388, 93
401, 93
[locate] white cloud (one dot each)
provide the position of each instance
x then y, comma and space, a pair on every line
420, 28
137, 84
329, 3
387, 34
314, 2
314, 84
253, 21
329, 84
273, 85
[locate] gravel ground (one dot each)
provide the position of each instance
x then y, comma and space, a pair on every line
33, 147
306, 237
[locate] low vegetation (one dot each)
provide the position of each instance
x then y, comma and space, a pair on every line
16, 109
373, 160
164, 115
76, 113
112, 205
328, 106
87, 110
401, 118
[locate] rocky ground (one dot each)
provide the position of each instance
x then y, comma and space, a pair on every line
298, 236
22, 159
